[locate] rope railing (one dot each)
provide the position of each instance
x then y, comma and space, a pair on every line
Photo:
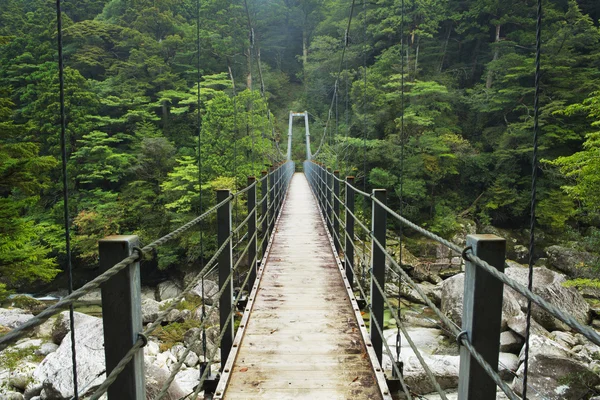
278, 187
319, 178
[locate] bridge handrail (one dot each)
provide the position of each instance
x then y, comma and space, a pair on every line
324, 190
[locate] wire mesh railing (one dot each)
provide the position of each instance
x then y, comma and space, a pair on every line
124, 337
479, 335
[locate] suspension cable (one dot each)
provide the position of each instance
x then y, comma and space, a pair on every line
201, 205
364, 95
534, 174
63, 146
398, 336
337, 79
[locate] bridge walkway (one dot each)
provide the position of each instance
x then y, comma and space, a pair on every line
302, 338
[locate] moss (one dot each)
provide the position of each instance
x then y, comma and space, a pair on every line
582, 282
174, 332
11, 358
27, 303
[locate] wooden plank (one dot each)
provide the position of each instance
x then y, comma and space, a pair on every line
301, 339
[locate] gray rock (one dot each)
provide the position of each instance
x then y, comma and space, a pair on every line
573, 262
89, 339
62, 325
155, 379
93, 297
45, 330
11, 395
150, 310
188, 379
549, 285
564, 338
521, 253
14, 317
191, 360
554, 377
510, 342
508, 364
174, 316
211, 288
518, 325
444, 368
452, 301
213, 318
167, 290
45, 349
148, 293
21, 376
193, 340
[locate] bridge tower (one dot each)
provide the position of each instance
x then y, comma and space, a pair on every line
289, 148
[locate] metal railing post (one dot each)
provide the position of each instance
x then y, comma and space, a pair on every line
225, 264
322, 189
336, 211
349, 252
328, 190
122, 317
271, 199
252, 229
482, 316
379, 224
264, 210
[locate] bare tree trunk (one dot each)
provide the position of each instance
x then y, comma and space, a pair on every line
416, 58
490, 74
249, 77
444, 49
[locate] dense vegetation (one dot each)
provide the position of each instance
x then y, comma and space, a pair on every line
131, 84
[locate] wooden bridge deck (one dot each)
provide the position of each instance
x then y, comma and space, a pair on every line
302, 338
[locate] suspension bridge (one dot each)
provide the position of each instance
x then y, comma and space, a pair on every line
307, 284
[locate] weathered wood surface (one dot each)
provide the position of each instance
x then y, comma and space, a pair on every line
302, 340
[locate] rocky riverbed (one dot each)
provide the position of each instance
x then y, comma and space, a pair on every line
563, 364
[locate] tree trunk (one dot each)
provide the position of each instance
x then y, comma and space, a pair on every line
444, 49
416, 58
249, 77
490, 74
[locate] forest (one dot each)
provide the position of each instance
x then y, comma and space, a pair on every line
434, 102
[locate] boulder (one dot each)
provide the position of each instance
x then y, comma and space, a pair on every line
508, 364
156, 378
549, 285
14, 317
93, 297
452, 301
21, 375
174, 316
213, 318
148, 293
62, 324
45, 349
554, 377
10, 395
45, 330
211, 288
570, 261
521, 253
510, 342
167, 290
565, 338
188, 379
150, 310
518, 324
53, 373
444, 368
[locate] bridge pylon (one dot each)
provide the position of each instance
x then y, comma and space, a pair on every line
289, 148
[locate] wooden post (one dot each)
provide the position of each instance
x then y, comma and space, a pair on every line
379, 224
225, 263
336, 211
482, 316
264, 206
122, 317
252, 230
